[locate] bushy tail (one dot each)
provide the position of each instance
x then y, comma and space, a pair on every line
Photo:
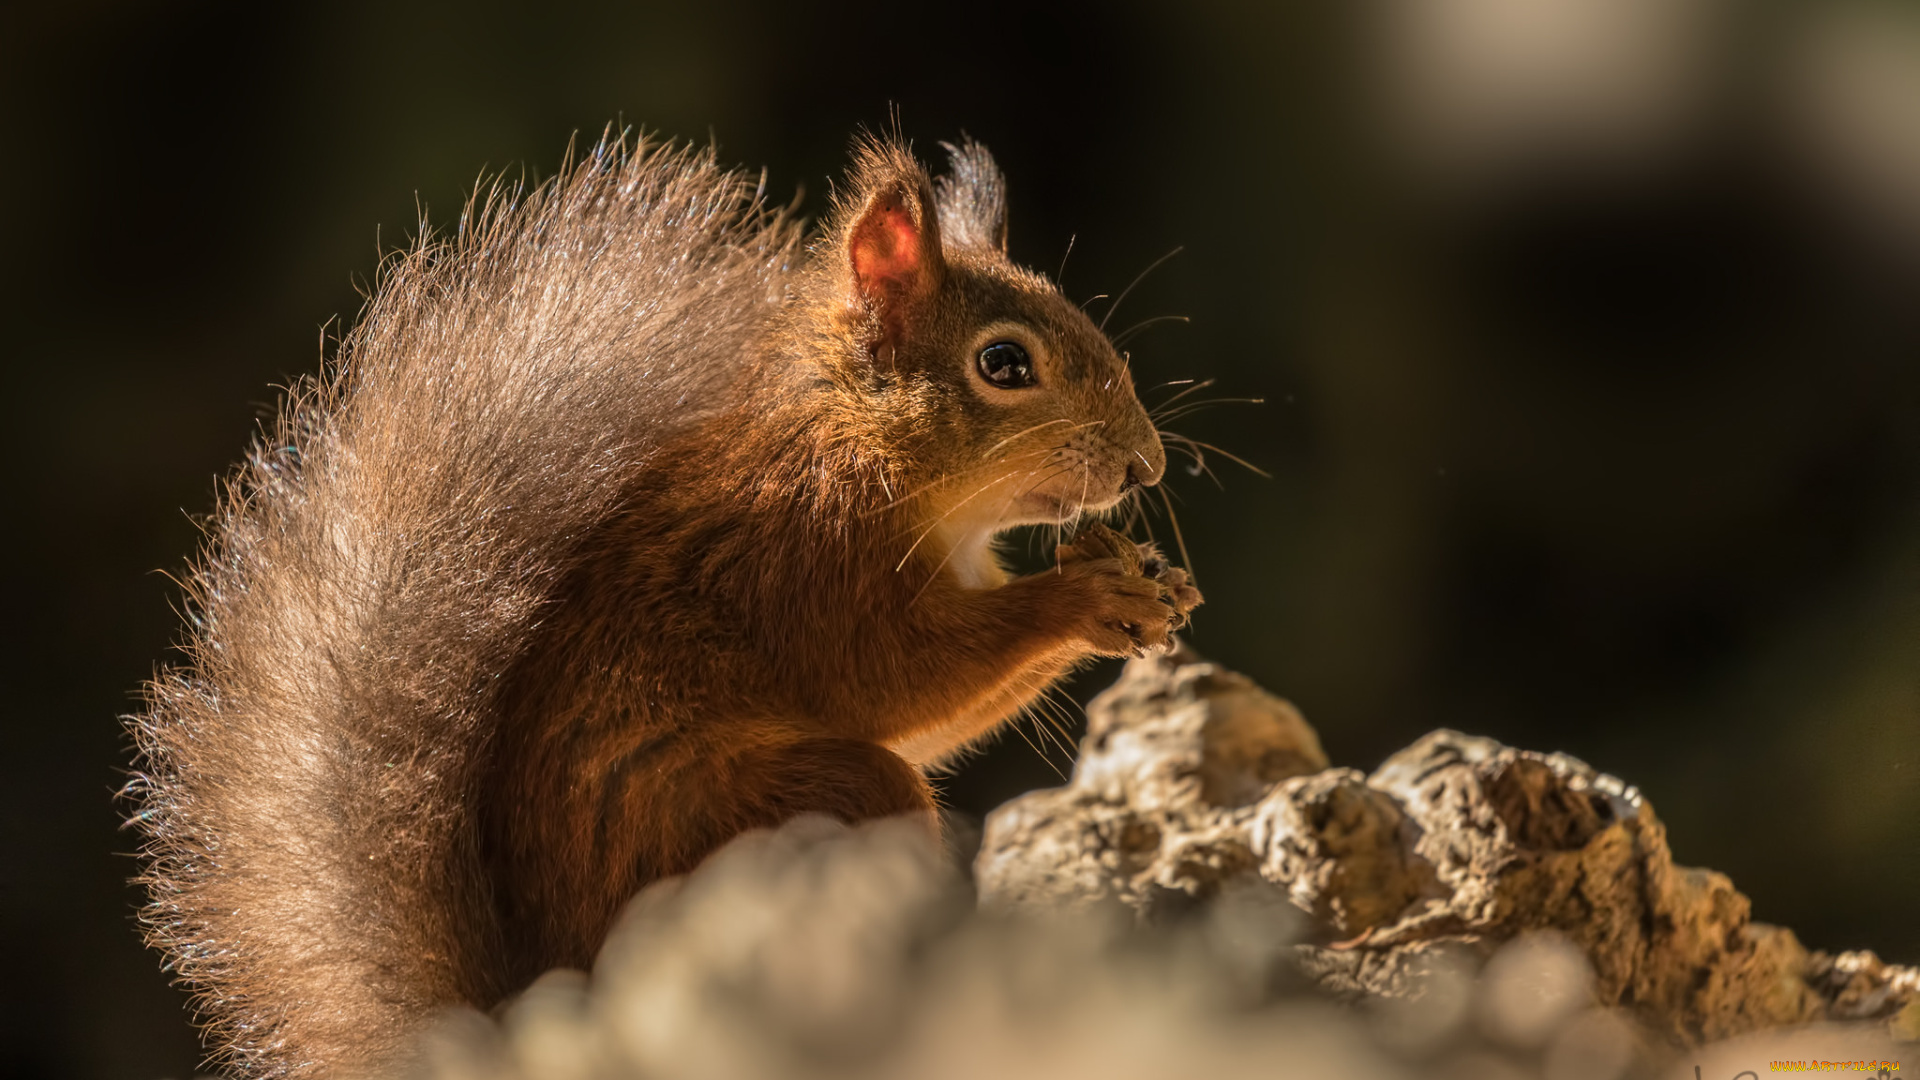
305, 777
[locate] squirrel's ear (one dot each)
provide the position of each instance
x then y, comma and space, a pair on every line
973, 197
893, 239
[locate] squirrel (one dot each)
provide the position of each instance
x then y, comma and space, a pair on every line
629, 517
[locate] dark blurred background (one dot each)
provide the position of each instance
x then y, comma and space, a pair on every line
1588, 334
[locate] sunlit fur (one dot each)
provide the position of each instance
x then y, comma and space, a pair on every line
622, 522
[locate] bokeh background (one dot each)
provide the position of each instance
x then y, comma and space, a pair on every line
1588, 333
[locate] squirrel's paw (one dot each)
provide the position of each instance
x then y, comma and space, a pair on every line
1136, 599
1121, 612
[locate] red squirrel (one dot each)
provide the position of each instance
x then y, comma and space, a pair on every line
628, 518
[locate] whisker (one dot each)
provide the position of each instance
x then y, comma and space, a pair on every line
1128, 334
1235, 458
1086, 480
950, 477
1043, 478
1043, 726
1199, 466
1059, 534
1040, 709
1205, 403
1065, 708
928, 531
1050, 710
1018, 730
1060, 275
1029, 431
1042, 729
1122, 298
1036, 427
1148, 511
1186, 560
914, 493
1051, 473
942, 564
1193, 387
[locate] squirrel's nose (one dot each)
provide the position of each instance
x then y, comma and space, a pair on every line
1148, 464
1146, 467
1138, 474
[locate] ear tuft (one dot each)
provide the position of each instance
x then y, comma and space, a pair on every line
973, 197
889, 235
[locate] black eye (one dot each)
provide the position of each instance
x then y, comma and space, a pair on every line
1006, 365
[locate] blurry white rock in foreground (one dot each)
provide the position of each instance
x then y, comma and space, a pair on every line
819, 952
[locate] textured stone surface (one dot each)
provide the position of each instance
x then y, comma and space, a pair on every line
819, 952
1193, 781
1468, 912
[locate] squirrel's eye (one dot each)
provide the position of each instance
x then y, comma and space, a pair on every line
1006, 365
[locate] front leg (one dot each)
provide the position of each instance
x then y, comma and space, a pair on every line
960, 661
1022, 687
936, 744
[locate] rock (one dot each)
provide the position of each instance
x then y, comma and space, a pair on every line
1193, 781
822, 952
1208, 897
1180, 751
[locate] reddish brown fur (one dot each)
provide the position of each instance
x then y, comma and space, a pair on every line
621, 528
